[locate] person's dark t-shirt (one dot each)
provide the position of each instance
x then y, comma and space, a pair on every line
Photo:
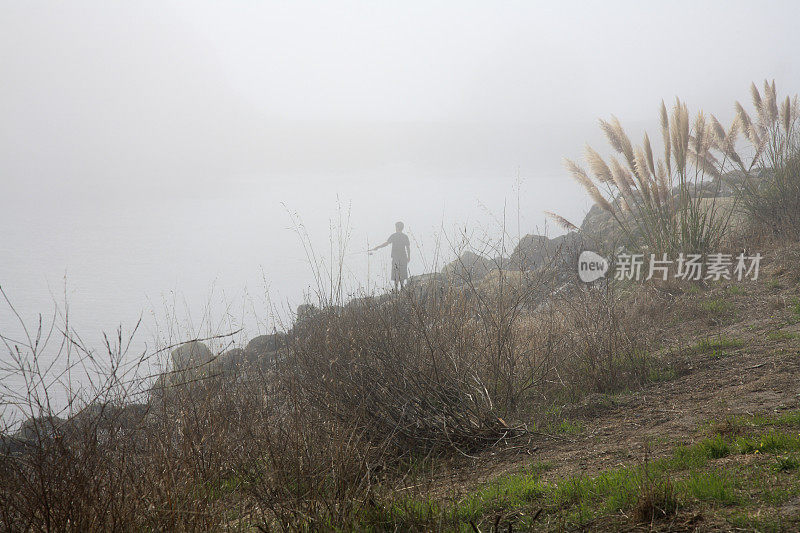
399, 243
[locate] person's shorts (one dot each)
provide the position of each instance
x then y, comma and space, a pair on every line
399, 270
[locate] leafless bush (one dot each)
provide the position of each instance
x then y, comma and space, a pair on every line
357, 393
410, 371
602, 339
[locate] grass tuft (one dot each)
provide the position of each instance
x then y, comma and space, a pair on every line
656, 501
711, 486
717, 346
718, 307
772, 441
786, 464
715, 447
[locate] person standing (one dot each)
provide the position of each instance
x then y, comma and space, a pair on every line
401, 255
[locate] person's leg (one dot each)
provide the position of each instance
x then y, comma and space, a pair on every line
403, 274
395, 274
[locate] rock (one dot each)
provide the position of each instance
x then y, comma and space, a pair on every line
264, 344
470, 267
726, 209
507, 279
428, 279
109, 417
260, 351
39, 429
306, 311
132, 416
231, 361
264, 349
157, 391
191, 355
600, 228
11, 445
531, 252
433, 285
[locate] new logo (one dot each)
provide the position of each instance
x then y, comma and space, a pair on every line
591, 266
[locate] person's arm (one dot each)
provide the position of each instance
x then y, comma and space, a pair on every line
408, 249
379, 246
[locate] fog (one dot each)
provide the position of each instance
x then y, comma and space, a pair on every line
151, 154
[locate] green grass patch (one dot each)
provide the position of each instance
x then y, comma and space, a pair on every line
790, 419
565, 426
772, 441
715, 447
516, 491
717, 346
750, 422
781, 336
569, 427
718, 307
686, 457
786, 464
661, 374
736, 290
745, 521
554, 422
705, 476
711, 487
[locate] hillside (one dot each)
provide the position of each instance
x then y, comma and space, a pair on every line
720, 424
500, 394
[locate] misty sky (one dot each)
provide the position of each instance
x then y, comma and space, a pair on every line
151, 151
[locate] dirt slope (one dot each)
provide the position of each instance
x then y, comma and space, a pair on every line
750, 366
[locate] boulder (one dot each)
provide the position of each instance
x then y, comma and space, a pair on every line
497, 278
264, 344
264, 349
231, 361
531, 252
470, 267
39, 429
425, 285
306, 311
11, 445
600, 227
191, 355
109, 417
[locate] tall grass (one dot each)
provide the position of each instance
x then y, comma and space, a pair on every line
668, 203
771, 192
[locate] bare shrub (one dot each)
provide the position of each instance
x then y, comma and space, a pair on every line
602, 341
356, 395
428, 373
